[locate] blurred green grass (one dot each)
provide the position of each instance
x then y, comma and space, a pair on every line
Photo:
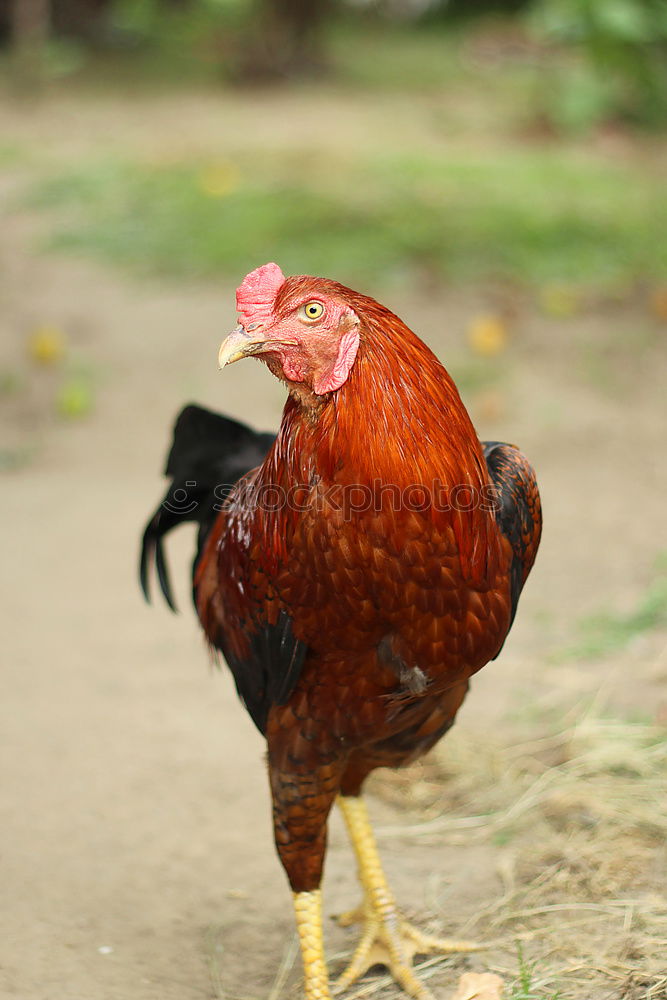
421, 58
607, 632
528, 213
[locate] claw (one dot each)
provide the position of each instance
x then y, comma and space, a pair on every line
350, 917
393, 942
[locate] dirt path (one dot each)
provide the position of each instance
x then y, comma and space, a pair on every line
137, 852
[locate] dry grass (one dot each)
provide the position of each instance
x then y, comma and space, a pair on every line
579, 820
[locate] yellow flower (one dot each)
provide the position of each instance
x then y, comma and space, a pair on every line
47, 345
487, 335
218, 179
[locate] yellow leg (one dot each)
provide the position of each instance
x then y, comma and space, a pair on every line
308, 910
386, 938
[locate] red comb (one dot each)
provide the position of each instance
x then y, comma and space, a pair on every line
257, 292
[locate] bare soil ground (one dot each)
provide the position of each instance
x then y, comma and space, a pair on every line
138, 861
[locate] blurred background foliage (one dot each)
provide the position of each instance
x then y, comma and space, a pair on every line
616, 60
531, 208
592, 60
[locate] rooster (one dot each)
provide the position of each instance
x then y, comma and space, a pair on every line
354, 572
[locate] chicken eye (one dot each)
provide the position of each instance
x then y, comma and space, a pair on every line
313, 310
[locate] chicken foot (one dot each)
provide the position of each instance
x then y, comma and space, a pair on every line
387, 939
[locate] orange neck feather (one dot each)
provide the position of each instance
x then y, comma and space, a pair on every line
397, 420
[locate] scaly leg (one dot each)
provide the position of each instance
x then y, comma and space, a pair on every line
308, 910
387, 939
303, 790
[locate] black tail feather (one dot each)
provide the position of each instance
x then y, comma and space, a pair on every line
519, 511
163, 573
147, 550
208, 455
152, 551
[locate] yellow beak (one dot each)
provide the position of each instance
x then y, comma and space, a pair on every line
240, 344
237, 345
